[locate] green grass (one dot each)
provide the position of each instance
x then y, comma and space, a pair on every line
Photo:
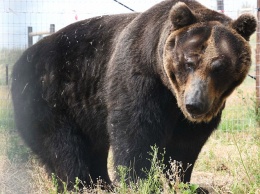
250, 169
240, 112
6, 112
10, 56
16, 150
6, 119
156, 181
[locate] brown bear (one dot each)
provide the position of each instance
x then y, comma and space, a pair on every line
129, 81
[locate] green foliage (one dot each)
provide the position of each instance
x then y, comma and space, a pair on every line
247, 120
54, 189
250, 166
6, 116
122, 187
16, 150
242, 116
76, 186
188, 188
156, 181
56, 185
10, 56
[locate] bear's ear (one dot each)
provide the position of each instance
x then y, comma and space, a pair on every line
181, 15
245, 25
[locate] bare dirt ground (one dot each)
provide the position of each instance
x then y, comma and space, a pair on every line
14, 177
226, 161
18, 177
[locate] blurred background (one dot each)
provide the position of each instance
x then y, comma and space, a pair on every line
18, 15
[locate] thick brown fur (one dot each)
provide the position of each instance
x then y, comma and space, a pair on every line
129, 81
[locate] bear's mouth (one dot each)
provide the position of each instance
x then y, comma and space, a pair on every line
202, 116
205, 117
197, 116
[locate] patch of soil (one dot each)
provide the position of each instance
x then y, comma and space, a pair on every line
213, 182
14, 177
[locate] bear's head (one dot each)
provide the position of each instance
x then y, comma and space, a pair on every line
205, 61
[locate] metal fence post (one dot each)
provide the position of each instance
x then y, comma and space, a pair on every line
52, 28
6, 73
257, 56
30, 38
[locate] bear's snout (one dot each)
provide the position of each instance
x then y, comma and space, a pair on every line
195, 108
197, 99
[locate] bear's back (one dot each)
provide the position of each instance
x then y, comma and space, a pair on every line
57, 68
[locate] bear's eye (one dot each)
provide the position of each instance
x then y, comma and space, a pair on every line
189, 66
218, 66
219, 70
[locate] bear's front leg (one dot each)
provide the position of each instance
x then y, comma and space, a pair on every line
138, 118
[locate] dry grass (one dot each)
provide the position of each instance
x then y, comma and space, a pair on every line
14, 176
219, 165
17, 176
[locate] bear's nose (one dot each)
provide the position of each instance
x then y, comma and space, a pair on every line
195, 108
